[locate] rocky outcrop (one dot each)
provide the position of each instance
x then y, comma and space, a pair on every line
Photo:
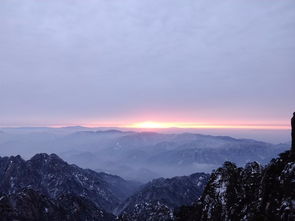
148, 211
53, 177
159, 197
250, 193
31, 205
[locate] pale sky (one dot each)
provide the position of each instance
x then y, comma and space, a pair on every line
67, 62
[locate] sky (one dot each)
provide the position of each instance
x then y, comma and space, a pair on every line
118, 62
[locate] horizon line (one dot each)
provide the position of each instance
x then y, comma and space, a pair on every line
159, 126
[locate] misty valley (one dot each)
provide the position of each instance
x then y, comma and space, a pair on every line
87, 174
139, 156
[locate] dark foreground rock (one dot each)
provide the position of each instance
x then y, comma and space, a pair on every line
157, 199
51, 176
30, 205
250, 193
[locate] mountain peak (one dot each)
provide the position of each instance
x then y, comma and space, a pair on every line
46, 157
249, 193
51, 176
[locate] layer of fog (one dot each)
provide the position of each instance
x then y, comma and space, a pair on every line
139, 156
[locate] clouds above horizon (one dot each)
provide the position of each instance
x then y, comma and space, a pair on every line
112, 60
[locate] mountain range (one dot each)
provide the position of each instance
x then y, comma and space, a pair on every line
47, 188
163, 196
244, 187
128, 154
51, 176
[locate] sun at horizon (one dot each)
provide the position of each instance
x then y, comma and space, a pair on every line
166, 125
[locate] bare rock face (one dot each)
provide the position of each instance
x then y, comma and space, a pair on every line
51, 176
157, 199
31, 205
250, 193
277, 190
149, 211
230, 185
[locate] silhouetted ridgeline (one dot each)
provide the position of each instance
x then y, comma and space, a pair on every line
47, 188
28, 204
51, 176
161, 196
250, 193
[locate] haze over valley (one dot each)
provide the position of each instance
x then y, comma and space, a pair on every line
140, 156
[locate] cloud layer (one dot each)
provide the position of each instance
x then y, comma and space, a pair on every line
65, 61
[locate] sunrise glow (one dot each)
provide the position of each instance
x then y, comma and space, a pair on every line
149, 124
165, 125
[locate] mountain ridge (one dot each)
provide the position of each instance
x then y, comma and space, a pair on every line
250, 193
52, 176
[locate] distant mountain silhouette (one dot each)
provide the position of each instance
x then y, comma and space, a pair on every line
113, 151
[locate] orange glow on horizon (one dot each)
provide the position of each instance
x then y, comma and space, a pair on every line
158, 125
150, 125
166, 125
